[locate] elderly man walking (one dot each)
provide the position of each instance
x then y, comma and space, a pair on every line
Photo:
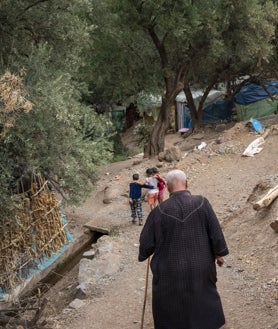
185, 238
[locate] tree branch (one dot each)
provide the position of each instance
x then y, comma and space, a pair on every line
30, 6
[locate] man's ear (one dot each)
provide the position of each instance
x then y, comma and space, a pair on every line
186, 184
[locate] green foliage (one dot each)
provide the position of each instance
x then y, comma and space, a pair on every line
143, 131
60, 137
154, 45
120, 150
118, 64
25, 25
10, 204
247, 30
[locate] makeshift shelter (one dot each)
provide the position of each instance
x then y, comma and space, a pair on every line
256, 101
215, 108
221, 110
118, 117
35, 240
149, 105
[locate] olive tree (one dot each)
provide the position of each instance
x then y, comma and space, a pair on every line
169, 46
46, 42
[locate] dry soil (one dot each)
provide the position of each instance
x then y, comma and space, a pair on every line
248, 281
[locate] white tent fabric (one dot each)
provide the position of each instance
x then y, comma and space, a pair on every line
150, 101
180, 115
197, 95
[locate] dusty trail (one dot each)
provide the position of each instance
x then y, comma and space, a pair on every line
248, 282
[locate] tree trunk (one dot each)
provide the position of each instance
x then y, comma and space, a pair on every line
156, 142
196, 113
191, 106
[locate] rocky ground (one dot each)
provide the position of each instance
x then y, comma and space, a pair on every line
248, 282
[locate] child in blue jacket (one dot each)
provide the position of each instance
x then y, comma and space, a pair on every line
135, 198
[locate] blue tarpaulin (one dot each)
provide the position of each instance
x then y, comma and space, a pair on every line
219, 111
252, 92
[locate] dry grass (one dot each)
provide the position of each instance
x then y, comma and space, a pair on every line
39, 232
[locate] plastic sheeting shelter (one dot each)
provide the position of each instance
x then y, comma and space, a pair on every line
36, 265
219, 111
118, 118
215, 108
253, 101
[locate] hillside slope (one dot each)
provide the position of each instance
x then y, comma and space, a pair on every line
248, 282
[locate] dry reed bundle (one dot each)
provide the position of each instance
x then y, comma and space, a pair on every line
12, 100
39, 232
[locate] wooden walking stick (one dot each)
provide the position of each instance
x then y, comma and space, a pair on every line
145, 297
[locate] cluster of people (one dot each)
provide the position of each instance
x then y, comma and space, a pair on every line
184, 238
155, 185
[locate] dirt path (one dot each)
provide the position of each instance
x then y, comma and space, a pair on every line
248, 283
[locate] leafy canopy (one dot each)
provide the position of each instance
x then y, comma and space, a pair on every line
60, 137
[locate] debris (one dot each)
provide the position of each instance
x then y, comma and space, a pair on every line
253, 148
256, 125
15, 316
185, 154
115, 178
90, 254
202, 145
267, 199
183, 130
270, 130
76, 303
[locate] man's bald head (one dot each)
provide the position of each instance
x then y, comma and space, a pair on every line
176, 180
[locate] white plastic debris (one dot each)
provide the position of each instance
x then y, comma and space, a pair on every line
254, 147
202, 145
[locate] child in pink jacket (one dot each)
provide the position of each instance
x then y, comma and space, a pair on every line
160, 185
